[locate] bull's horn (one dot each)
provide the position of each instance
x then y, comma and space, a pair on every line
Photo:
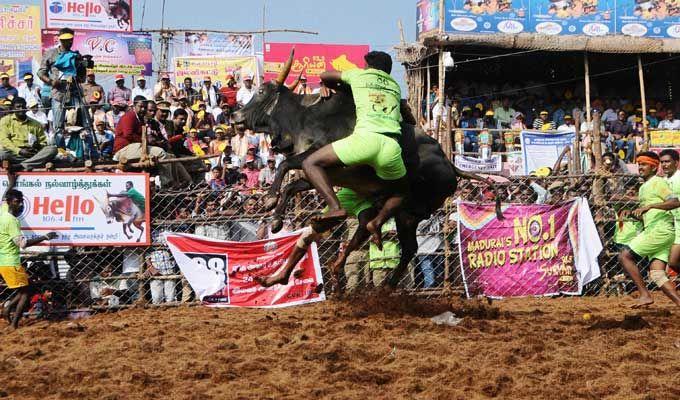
295, 83
286, 68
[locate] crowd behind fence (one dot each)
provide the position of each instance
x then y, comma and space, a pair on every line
87, 279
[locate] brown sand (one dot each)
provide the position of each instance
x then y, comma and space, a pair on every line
368, 349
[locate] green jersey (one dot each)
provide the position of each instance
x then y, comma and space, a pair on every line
377, 97
137, 198
625, 231
388, 258
656, 190
674, 183
10, 229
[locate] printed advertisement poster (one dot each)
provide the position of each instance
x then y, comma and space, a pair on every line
573, 17
99, 209
217, 68
113, 52
427, 16
222, 273
537, 250
217, 44
664, 138
92, 15
19, 31
543, 149
480, 165
486, 16
653, 18
312, 59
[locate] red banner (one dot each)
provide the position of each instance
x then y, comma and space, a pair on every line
221, 273
317, 58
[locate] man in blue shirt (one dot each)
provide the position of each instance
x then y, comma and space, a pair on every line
6, 89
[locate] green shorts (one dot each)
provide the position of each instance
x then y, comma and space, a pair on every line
653, 243
381, 152
677, 233
351, 202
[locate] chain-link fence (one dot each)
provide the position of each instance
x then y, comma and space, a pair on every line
82, 280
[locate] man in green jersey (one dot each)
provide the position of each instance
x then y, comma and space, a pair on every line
655, 241
374, 142
11, 241
133, 194
669, 164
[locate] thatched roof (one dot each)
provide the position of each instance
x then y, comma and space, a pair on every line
530, 41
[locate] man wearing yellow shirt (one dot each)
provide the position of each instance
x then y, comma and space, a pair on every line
374, 142
22, 140
11, 241
658, 235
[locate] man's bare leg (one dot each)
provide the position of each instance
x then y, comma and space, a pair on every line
388, 210
355, 241
299, 251
314, 168
22, 305
674, 258
7, 309
657, 272
627, 260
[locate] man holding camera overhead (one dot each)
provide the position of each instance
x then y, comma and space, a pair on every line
63, 69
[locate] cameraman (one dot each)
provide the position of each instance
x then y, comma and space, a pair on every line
63, 69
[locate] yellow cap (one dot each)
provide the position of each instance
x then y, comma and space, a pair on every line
65, 36
489, 113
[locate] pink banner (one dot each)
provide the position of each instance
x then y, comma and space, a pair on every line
316, 57
529, 253
221, 273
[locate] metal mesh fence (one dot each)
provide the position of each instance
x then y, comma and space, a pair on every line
88, 279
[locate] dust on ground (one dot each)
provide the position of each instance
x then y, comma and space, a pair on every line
372, 347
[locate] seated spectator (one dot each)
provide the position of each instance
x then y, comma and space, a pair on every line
242, 184
223, 114
518, 123
652, 118
23, 140
267, 174
228, 93
36, 113
114, 115
239, 142
218, 144
104, 140
119, 93
77, 144
165, 90
204, 121
252, 153
216, 181
231, 174
568, 125
7, 91
176, 135
621, 135
228, 157
542, 123
195, 145
251, 172
669, 122
128, 143
142, 90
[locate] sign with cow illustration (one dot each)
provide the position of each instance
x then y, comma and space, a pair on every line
102, 209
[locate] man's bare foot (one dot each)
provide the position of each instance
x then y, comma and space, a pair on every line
280, 278
298, 273
376, 237
643, 301
326, 221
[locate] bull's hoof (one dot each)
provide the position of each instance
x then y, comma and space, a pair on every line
270, 202
276, 225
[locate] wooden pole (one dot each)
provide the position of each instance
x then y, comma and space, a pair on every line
440, 96
586, 69
643, 98
427, 93
577, 143
597, 145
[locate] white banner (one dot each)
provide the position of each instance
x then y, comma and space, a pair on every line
542, 149
481, 165
97, 209
217, 44
91, 15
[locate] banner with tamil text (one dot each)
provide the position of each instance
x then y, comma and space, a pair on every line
217, 44
85, 209
112, 52
19, 31
664, 138
222, 273
536, 250
217, 68
312, 59
96, 15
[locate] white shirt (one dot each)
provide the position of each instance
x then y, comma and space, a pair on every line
666, 124
244, 95
146, 92
39, 116
566, 128
28, 94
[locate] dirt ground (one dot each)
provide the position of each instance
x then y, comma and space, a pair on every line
370, 348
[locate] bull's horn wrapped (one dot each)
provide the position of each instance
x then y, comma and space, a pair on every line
296, 82
286, 68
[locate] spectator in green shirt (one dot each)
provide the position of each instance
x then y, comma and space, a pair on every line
23, 140
133, 194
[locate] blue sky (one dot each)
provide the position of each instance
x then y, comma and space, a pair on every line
372, 22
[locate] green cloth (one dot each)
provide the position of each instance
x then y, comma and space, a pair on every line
14, 133
627, 231
656, 190
388, 258
377, 98
674, 183
10, 229
352, 202
137, 198
381, 152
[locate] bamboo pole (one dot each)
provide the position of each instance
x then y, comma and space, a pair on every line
597, 145
643, 98
586, 76
440, 96
577, 143
427, 93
